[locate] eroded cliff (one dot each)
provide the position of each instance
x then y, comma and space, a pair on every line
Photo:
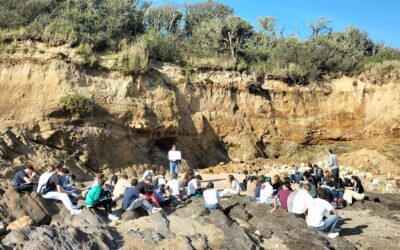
213, 116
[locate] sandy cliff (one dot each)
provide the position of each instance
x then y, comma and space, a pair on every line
213, 116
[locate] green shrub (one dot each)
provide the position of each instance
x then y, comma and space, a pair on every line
88, 57
133, 58
77, 104
382, 68
166, 48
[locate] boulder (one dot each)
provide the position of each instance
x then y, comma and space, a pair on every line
51, 237
24, 221
14, 205
131, 215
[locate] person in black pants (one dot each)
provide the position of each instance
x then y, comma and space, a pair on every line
23, 180
96, 197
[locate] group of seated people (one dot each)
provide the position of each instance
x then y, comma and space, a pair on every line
308, 195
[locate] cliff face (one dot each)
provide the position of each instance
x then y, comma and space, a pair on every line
213, 116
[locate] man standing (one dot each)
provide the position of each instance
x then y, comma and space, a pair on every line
23, 180
173, 162
333, 165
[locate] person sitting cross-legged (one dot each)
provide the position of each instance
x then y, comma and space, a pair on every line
356, 192
316, 221
95, 197
146, 188
282, 195
194, 187
133, 199
211, 197
23, 180
233, 189
174, 187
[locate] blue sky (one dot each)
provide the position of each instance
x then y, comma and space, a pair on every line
380, 19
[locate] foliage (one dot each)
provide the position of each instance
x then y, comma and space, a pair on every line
101, 23
77, 104
205, 34
164, 19
382, 68
88, 57
133, 58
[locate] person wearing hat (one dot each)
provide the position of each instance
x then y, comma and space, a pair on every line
146, 188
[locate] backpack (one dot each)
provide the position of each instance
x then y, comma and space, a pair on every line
44, 183
338, 202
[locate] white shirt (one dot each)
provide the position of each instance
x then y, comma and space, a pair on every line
235, 186
266, 192
300, 201
211, 196
316, 209
161, 181
191, 189
174, 186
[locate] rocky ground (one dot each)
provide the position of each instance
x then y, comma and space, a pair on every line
372, 224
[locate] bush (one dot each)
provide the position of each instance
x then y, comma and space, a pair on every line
133, 58
89, 59
383, 68
77, 104
166, 48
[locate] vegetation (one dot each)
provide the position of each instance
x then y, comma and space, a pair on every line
206, 35
77, 104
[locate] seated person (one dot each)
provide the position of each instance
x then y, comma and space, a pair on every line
159, 184
317, 174
211, 197
308, 179
68, 181
194, 186
174, 187
260, 181
233, 189
24, 180
266, 193
356, 192
95, 198
295, 188
282, 196
276, 184
150, 171
114, 179
120, 186
147, 190
187, 178
251, 188
133, 199
301, 200
316, 221
50, 188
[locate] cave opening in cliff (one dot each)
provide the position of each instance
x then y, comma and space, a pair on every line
165, 143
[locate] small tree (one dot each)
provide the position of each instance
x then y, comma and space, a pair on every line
234, 31
268, 25
165, 19
320, 26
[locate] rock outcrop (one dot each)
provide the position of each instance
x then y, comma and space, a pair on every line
213, 116
15, 205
